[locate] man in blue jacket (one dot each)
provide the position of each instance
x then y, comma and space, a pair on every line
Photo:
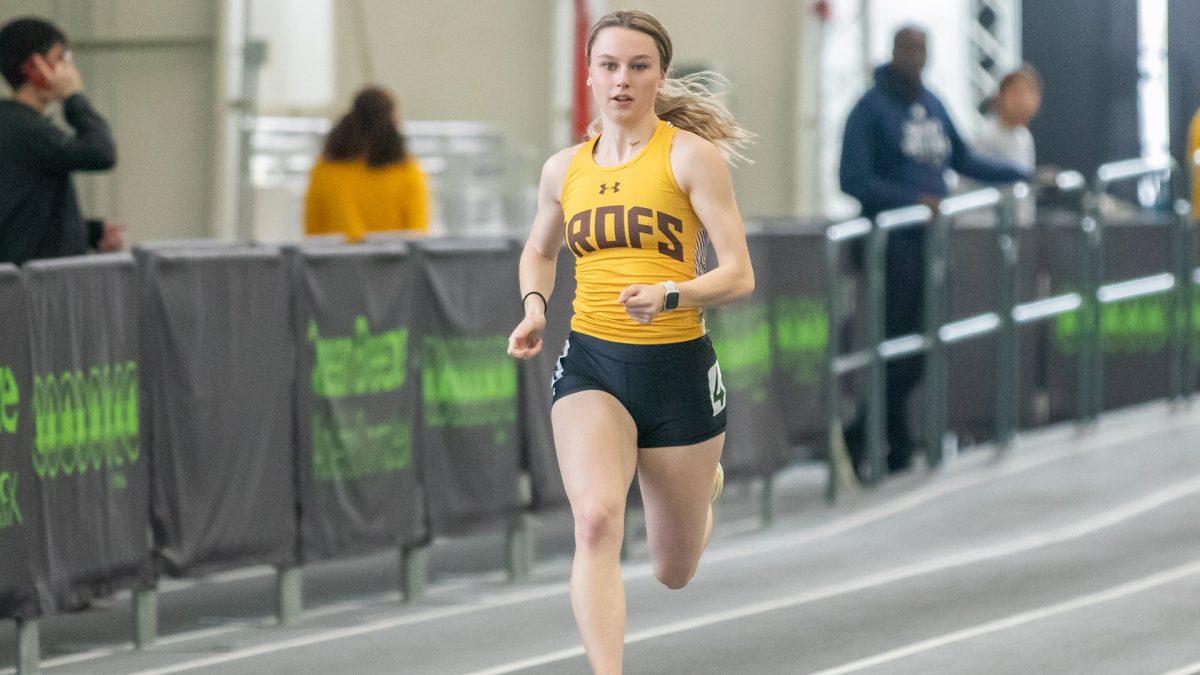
898, 143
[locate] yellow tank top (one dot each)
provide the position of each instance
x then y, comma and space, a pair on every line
631, 224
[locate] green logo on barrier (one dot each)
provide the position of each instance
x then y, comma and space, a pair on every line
10, 511
10, 398
355, 449
742, 339
345, 444
469, 382
1137, 326
358, 365
83, 422
801, 331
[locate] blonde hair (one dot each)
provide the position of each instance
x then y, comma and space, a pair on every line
695, 103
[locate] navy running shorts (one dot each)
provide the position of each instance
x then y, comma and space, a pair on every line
674, 392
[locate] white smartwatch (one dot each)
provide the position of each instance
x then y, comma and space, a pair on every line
671, 298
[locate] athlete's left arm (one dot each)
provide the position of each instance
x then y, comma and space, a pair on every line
702, 173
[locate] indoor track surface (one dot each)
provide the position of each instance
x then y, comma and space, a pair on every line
1073, 554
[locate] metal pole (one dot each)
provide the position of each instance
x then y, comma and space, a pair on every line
1089, 312
1177, 300
1188, 299
145, 617
767, 500
935, 395
1007, 345
841, 467
1180, 303
414, 572
1097, 366
874, 327
519, 548
289, 590
833, 392
29, 650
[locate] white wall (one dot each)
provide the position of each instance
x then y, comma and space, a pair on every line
757, 50
493, 60
298, 74
150, 66
479, 60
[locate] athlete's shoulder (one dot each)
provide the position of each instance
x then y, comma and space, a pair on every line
693, 155
559, 162
694, 146
554, 171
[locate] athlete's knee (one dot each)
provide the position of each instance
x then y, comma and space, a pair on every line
599, 523
674, 575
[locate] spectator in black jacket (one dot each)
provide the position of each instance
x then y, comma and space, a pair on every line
897, 146
39, 213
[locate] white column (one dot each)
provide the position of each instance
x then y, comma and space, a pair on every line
231, 35
810, 30
564, 68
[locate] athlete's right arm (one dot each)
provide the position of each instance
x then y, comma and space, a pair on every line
539, 260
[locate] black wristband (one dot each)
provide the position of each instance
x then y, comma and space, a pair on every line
545, 305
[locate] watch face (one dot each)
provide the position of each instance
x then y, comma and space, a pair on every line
672, 300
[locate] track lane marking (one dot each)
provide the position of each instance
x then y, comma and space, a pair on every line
1114, 593
1135, 430
1082, 528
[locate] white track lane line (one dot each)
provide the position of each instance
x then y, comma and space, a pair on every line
1191, 669
1095, 523
1015, 464
1116, 592
1059, 535
372, 627
232, 627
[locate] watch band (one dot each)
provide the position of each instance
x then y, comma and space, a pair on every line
671, 298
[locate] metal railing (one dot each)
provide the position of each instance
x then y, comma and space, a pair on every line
1009, 316
1173, 283
841, 472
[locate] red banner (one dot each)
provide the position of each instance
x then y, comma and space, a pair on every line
580, 96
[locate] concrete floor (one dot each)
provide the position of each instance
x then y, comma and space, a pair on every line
1075, 554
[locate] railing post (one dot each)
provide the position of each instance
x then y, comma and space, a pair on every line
1090, 343
29, 649
414, 572
836, 447
1007, 344
145, 617
1187, 234
1189, 218
519, 548
767, 500
935, 350
874, 331
1180, 306
841, 468
289, 594
627, 533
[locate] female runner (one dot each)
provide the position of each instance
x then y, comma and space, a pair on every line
637, 387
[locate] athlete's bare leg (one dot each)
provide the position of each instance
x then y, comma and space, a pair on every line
676, 486
596, 442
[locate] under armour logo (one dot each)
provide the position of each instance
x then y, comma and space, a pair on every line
615, 188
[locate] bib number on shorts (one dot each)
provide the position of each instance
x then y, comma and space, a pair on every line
716, 389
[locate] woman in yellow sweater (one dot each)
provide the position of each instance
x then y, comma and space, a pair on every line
365, 180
